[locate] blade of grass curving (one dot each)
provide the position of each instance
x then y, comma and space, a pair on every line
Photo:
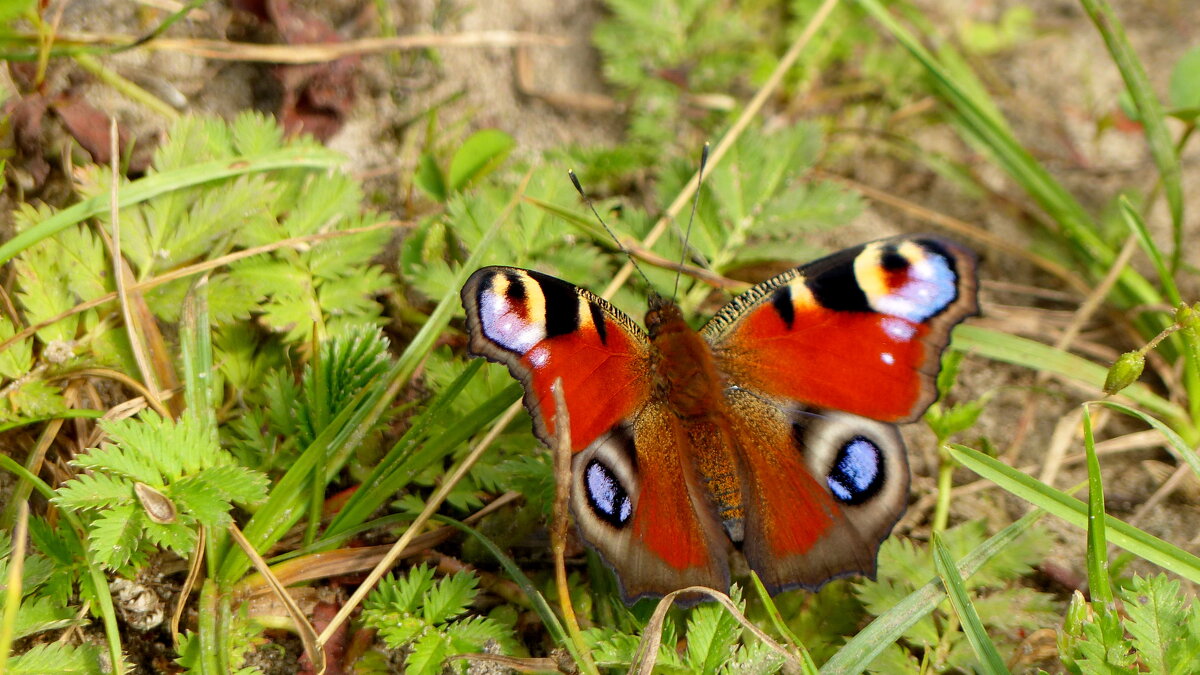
978, 117
1177, 445
1097, 547
1136, 225
95, 576
84, 413
777, 618
195, 342
1044, 358
382, 482
858, 653
415, 451
648, 648
985, 650
1150, 112
157, 184
1137, 542
557, 632
12, 584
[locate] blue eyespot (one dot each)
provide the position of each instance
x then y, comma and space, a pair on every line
605, 494
858, 472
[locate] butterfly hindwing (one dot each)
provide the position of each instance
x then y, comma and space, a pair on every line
637, 498
821, 489
860, 331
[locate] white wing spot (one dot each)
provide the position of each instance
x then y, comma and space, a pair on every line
507, 328
929, 289
887, 358
539, 356
898, 329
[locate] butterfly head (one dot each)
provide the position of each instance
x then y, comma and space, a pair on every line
662, 315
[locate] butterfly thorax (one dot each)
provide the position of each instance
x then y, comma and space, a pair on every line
686, 377
684, 370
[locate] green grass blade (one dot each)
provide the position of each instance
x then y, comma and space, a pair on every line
1150, 112
1138, 542
985, 650
197, 356
557, 632
858, 653
161, 183
1136, 225
1097, 545
1180, 448
1041, 357
992, 134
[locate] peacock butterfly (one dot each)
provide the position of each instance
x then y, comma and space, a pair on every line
771, 430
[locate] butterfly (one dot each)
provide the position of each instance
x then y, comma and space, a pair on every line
771, 430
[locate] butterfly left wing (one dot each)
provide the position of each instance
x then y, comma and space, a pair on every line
635, 497
861, 330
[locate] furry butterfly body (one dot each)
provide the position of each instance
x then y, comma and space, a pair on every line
771, 430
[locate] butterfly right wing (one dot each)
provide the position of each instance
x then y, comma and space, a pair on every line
635, 495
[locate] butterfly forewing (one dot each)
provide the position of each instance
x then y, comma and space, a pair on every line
545, 329
860, 331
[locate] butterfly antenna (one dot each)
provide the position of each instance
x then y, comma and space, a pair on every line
687, 235
588, 200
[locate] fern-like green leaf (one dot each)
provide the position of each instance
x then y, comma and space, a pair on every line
18, 358
450, 597
711, 635
57, 657
232, 483
116, 534
94, 491
472, 634
427, 655
1158, 625
178, 536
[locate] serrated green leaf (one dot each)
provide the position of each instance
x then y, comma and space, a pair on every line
427, 655
38, 614
397, 630
18, 358
115, 535
450, 597
179, 537
199, 496
473, 633
57, 657
236, 483
1157, 621
711, 635
31, 399
94, 491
